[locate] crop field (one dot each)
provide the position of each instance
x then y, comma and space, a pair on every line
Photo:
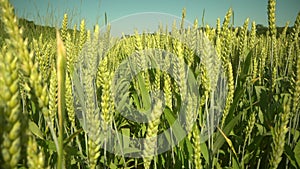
181, 97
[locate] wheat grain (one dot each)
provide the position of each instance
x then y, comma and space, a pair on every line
226, 41
167, 90
296, 95
70, 102
243, 40
278, 135
152, 130
64, 28
11, 145
35, 157
53, 89
197, 148
271, 17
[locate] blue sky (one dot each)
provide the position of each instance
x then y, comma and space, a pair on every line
147, 14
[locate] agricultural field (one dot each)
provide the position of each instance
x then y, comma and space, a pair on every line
196, 97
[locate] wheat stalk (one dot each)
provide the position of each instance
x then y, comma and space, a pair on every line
35, 157
152, 130
278, 135
273, 33
64, 28
53, 89
11, 144
197, 148
70, 102
61, 80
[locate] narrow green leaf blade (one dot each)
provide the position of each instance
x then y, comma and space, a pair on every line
35, 130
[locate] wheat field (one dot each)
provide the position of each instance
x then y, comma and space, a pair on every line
223, 97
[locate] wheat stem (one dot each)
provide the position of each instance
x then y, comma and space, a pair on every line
61, 78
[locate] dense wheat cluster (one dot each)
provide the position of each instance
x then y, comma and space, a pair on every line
57, 109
